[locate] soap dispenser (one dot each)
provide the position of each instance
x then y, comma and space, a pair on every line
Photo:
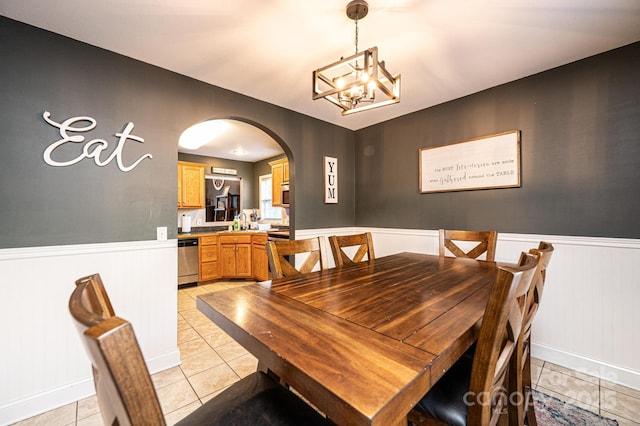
236, 223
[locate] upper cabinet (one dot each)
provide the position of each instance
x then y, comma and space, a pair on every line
190, 185
279, 175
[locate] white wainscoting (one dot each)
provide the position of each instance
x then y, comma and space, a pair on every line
44, 365
589, 319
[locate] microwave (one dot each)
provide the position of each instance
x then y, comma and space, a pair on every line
285, 194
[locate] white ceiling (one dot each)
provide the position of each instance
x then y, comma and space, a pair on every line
444, 49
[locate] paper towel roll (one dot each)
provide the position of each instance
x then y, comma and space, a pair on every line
186, 223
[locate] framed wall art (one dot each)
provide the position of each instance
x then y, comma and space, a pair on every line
487, 162
330, 180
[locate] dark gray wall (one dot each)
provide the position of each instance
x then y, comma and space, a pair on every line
84, 203
580, 149
580, 133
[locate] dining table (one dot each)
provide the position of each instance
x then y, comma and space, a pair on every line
364, 343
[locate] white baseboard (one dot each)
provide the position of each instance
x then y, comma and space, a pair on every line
588, 366
163, 362
54, 398
45, 401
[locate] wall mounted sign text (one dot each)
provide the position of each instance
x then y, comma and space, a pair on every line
223, 171
93, 148
330, 180
481, 163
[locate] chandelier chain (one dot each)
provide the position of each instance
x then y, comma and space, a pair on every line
357, 31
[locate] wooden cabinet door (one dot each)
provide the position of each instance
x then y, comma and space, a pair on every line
209, 271
180, 200
209, 267
228, 260
191, 185
277, 173
260, 262
243, 260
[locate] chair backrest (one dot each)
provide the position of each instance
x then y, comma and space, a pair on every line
499, 336
363, 241
519, 377
96, 297
544, 253
486, 240
124, 388
280, 266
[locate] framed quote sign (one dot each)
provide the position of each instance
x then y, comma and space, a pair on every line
487, 162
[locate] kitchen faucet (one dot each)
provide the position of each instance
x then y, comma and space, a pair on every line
240, 224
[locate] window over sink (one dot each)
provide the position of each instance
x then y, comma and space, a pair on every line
267, 210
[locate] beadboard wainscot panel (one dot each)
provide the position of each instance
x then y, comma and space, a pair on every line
44, 364
588, 319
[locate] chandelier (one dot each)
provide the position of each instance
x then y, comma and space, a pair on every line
352, 83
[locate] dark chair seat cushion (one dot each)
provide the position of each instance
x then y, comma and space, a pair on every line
255, 400
447, 400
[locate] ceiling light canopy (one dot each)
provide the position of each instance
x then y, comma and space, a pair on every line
352, 83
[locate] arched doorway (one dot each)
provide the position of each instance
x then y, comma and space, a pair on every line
242, 140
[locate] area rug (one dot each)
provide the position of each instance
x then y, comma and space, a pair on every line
552, 411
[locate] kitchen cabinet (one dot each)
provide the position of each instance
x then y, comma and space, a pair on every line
279, 175
235, 255
209, 267
259, 256
190, 185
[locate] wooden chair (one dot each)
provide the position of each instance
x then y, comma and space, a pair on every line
96, 296
487, 241
280, 266
363, 241
473, 391
125, 391
520, 385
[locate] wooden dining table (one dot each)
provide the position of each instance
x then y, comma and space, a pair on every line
362, 343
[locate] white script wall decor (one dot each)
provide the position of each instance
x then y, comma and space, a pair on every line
330, 180
93, 148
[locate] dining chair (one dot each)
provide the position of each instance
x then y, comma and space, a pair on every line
96, 296
473, 390
520, 385
452, 240
364, 243
126, 394
279, 251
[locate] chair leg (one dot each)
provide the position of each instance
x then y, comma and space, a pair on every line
515, 397
530, 410
530, 414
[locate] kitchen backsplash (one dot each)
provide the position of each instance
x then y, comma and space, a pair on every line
198, 218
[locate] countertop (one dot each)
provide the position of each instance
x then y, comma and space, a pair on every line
282, 232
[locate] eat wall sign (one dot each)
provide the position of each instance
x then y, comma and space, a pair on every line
93, 148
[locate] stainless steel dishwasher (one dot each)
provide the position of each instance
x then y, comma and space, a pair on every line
187, 261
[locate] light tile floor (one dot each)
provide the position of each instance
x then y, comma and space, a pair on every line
211, 361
